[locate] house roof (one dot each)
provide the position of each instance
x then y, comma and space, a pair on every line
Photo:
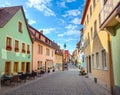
85, 10
6, 13
34, 38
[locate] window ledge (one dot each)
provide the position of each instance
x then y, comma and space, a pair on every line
105, 68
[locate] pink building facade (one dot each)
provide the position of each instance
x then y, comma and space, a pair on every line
43, 52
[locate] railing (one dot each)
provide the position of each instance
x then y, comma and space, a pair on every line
107, 9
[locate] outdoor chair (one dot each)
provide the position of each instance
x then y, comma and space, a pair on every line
5, 80
32, 75
15, 80
23, 77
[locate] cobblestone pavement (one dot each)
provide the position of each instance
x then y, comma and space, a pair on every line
59, 83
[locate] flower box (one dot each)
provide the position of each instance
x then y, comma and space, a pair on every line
28, 52
23, 51
9, 48
16, 49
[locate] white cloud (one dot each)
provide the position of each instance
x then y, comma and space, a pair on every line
48, 30
69, 33
70, 39
72, 13
41, 5
71, 30
76, 21
63, 3
71, 27
70, 0
31, 21
5, 4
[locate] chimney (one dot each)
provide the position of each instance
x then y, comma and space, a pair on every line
41, 31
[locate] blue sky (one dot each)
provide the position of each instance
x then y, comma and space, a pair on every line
59, 19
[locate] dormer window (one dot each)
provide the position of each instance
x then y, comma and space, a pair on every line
20, 26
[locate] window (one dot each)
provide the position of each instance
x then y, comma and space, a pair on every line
87, 18
23, 47
47, 52
91, 32
88, 38
40, 49
97, 60
105, 2
28, 49
93, 59
39, 36
99, 19
95, 28
20, 26
94, 2
104, 59
39, 65
90, 10
16, 46
52, 53
8, 44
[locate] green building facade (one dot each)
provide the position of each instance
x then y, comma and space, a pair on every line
16, 44
115, 45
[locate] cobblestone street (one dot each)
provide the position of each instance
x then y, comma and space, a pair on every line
66, 82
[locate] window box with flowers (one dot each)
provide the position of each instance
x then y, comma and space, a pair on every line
23, 51
16, 49
9, 48
28, 52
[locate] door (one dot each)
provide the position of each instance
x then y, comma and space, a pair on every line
7, 68
28, 67
15, 67
90, 71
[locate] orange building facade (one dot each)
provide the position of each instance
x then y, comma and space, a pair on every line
96, 46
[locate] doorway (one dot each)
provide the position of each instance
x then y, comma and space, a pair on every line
28, 67
7, 68
90, 71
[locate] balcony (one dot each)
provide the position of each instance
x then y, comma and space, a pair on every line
110, 13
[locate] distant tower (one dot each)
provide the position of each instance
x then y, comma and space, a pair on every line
65, 46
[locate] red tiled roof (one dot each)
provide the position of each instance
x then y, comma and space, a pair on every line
7, 13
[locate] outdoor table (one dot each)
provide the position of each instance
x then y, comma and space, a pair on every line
6, 78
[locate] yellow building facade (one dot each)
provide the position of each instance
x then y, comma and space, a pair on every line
96, 46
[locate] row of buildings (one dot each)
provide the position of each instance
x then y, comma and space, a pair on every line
23, 48
100, 44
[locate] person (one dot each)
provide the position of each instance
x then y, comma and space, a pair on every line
53, 69
48, 70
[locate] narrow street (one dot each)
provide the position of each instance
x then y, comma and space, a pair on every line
66, 82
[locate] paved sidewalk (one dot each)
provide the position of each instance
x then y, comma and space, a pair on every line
7, 89
66, 82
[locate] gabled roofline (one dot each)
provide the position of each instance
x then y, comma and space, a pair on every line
85, 10
39, 32
26, 23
